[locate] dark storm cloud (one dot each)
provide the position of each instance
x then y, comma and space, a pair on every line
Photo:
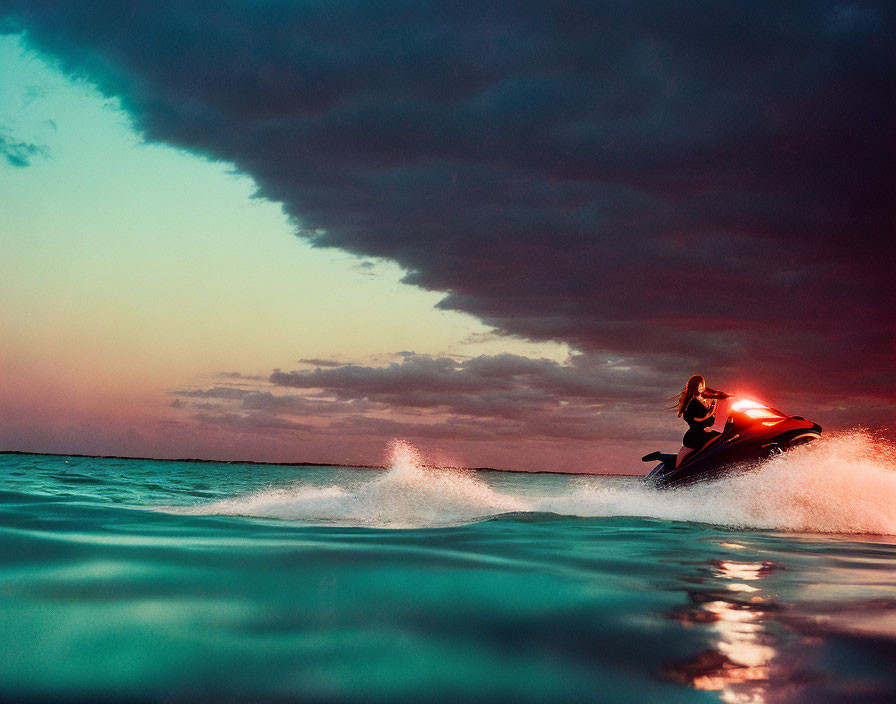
707, 180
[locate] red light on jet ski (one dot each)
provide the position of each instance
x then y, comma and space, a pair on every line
755, 410
761, 413
743, 404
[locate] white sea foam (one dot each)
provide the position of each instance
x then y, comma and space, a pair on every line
840, 484
408, 495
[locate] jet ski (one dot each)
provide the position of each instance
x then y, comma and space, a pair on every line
752, 432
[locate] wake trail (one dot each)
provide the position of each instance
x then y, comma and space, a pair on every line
408, 495
840, 484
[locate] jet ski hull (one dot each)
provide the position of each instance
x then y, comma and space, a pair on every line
744, 442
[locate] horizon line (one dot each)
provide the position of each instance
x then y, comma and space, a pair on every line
304, 464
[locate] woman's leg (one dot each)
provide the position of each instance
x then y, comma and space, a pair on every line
682, 453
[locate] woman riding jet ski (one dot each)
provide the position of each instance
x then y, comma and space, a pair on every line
752, 432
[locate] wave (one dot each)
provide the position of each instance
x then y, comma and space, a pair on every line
840, 484
409, 495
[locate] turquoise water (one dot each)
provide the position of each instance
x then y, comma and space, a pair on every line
179, 581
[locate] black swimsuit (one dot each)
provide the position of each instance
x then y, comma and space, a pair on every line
697, 437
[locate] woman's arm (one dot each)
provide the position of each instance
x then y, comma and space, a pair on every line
712, 410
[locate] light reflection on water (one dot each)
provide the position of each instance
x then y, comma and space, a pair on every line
739, 665
767, 640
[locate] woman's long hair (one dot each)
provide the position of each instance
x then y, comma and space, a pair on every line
690, 391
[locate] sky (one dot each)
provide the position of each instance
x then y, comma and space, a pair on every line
508, 232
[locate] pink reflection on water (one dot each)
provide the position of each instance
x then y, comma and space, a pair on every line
739, 665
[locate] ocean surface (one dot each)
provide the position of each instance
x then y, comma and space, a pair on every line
144, 580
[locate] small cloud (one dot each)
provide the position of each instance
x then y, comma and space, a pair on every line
177, 403
366, 268
20, 154
321, 362
238, 379
216, 392
478, 338
237, 375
